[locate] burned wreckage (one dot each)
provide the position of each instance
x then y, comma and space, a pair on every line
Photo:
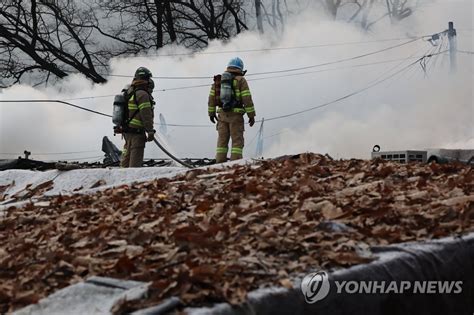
111, 158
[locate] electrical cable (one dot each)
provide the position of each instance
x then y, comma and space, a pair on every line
87, 109
281, 48
465, 52
333, 69
410, 73
88, 97
284, 130
337, 61
285, 70
259, 79
275, 134
156, 90
376, 82
253, 139
163, 77
434, 61
194, 125
348, 95
422, 59
269, 119
443, 46
290, 75
56, 101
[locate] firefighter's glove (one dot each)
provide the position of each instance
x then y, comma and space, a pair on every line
150, 136
251, 121
213, 118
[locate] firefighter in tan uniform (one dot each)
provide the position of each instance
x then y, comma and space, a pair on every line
140, 113
231, 110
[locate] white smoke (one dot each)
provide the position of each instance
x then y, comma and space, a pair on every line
410, 111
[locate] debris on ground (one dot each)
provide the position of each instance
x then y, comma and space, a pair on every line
213, 235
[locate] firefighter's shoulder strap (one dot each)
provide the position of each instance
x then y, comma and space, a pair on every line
217, 89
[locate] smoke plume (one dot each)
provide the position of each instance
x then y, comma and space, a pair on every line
424, 106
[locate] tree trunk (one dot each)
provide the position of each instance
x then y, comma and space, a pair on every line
159, 23
332, 6
258, 11
365, 15
396, 9
170, 22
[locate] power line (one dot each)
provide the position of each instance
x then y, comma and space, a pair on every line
184, 125
156, 90
88, 97
55, 101
279, 48
269, 119
350, 94
257, 79
433, 62
184, 87
333, 69
282, 71
87, 109
410, 73
253, 139
164, 77
275, 134
466, 52
429, 51
338, 61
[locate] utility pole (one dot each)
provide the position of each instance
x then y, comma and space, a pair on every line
452, 47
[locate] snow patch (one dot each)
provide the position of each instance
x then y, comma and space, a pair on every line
82, 181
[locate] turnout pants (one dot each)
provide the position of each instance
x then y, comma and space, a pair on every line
230, 125
134, 149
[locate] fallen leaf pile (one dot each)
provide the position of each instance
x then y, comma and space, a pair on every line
213, 235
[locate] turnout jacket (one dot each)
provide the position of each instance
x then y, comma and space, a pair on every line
141, 101
242, 94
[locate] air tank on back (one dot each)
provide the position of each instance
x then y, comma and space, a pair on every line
120, 107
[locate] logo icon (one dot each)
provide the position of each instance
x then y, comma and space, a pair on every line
315, 286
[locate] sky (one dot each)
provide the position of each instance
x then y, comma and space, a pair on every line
394, 105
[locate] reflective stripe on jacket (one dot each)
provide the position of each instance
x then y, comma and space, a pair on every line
143, 119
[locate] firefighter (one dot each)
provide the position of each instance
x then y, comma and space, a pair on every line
230, 123
140, 113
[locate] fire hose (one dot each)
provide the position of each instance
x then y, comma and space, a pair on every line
162, 148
